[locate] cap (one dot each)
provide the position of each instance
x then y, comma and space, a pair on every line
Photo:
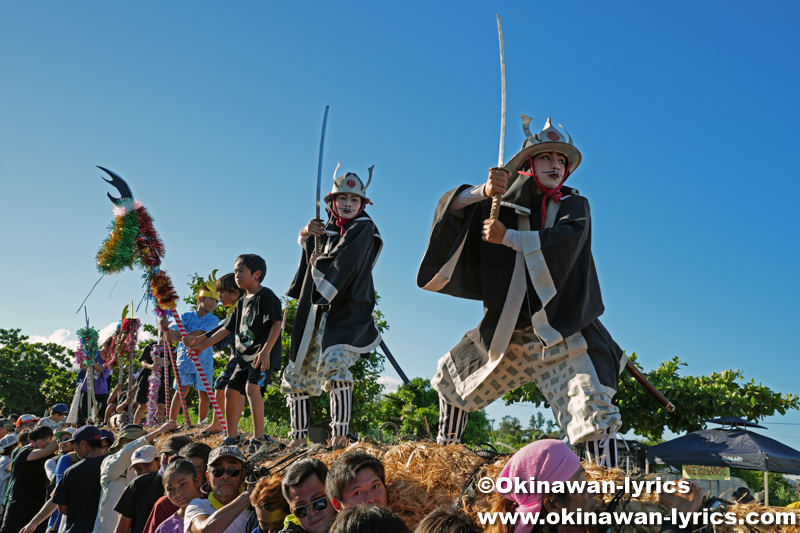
144, 455
60, 408
25, 419
225, 451
174, 444
107, 434
88, 433
6, 423
63, 432
8, 440
130, 432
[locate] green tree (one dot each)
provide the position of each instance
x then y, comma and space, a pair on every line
781, 492
414, 407
34, 375
719, 394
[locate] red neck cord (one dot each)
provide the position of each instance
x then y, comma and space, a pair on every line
555, 194
341, 222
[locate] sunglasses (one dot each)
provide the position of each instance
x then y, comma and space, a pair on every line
318, 505
232, 472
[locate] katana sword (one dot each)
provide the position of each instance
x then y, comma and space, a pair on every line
392, 360
500, 158
318, 240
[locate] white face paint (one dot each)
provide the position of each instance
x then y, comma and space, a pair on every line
549, 167
347, 205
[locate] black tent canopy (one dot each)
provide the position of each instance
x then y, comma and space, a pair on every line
735, 448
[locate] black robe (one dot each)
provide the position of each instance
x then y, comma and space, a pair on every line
340, 283
563, 293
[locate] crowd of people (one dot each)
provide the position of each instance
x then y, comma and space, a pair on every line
88, 479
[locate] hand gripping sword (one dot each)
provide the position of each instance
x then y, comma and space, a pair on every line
500, 158
318, 240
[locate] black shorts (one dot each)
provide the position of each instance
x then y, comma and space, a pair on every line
225, 377
244, 373
144, 389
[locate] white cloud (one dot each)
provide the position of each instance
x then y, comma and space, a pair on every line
59, 336
389, 383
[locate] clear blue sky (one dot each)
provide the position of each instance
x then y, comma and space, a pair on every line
686, 115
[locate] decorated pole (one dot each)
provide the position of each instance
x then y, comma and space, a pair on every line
174, 364
165, 371
128, 397
203, 378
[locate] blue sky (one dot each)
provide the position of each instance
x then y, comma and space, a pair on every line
686, 115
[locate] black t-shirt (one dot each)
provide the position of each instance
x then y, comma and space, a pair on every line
251, 322
80, 490
139, 498
29, 479
147, 357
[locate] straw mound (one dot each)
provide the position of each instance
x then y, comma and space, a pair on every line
422, 476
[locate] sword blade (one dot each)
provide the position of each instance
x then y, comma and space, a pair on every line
500, 158
319, 162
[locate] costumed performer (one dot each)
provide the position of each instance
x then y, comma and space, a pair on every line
333, 327
199, 321
533, 270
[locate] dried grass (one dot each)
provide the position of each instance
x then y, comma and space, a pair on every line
422, 476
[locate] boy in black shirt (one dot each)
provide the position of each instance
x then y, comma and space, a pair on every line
256, 325
78, 493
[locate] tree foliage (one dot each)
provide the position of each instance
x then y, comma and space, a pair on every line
696, 399
34, 375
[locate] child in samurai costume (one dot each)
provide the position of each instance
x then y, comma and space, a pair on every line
533, 270
334, 325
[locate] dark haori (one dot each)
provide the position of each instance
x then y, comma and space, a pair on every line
333, 327
534, 272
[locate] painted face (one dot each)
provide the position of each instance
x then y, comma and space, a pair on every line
549, 167
225, 485
366, 488
244, 276
306, 495
182, 488
208, 304
347, 205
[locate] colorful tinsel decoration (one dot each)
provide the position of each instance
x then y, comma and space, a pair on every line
162, 291
118, 251
123, 342
87, 344
153, 386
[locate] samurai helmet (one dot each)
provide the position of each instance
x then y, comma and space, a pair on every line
209, 288
550, 139
349, 182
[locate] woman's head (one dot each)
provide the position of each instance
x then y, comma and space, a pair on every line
181, 481
551, 461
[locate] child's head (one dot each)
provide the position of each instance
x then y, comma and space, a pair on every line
105, 346
181, 481
24, 437
41, 436
227, 289
270, 505
59, 411
207, 304
196, 453
249, 271
366, 519
357, 478
444, 520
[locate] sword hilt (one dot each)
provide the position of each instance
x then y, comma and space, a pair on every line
495, 211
